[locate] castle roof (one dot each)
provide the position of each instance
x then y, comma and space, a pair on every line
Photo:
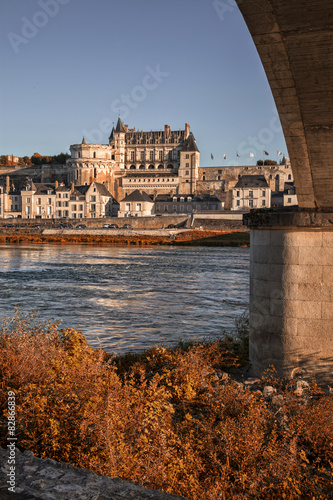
120, 126
190, 144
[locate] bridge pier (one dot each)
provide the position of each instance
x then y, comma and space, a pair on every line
291, 292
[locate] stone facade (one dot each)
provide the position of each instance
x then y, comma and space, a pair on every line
155, 162
291, 292
251, 191
56, 200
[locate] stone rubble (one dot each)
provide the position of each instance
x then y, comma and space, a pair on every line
47, 479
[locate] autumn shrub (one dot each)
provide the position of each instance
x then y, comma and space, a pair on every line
169, 419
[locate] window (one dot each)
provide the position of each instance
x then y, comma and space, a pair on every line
65, 195
189, 208
175, 208
93, 208
251, 195
65, 204
92, 198
187, 165
132, 155
138, 207
65, 213
28, 200
142, 155
49, 201
238, 203
49, 210
81, 208
251, 203
127, 207
39, 210
73, 208
203, 177
58, 203
151, 155
289, 177
58, 195
94, 155
238, 193
181, 208
263, 193
181, 198
160, 155
289, 200
27, 210
165, 208
263, 203
187, 172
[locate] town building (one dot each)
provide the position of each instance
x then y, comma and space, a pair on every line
186, 204
251, 191
136, 204
56, 200
289, 195
157, 162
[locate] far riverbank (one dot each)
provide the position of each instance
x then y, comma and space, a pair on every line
187, 237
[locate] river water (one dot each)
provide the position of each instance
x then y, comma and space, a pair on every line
128, 298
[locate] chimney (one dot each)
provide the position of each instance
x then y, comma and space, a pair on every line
187, 130
126, 128
56, 185
7, 184
72, 187
166, 130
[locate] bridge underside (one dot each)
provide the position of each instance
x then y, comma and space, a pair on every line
294, 39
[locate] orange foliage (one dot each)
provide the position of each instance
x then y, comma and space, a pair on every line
166, 418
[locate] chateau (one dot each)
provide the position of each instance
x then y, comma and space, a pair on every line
156, 162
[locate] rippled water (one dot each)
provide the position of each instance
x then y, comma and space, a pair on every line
128, 298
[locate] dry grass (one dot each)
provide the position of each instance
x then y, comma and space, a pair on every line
166, 418
191, 237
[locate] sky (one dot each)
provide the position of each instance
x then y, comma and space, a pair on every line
70, 67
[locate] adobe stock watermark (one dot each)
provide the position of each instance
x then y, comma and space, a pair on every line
40, 19
123, 105
12, 441
257, 143
225, 7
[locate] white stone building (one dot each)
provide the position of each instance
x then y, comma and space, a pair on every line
251, 191
136, 204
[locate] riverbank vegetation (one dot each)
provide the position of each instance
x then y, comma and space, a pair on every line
178, 420
188, 238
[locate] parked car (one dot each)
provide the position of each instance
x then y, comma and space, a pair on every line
80, 226
127, 226
65, 225
113, 226
106, 226
158, 215
9, 225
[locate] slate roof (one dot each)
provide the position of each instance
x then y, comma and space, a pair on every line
138, 196
252, 181
190, 144
120, 126
102, 189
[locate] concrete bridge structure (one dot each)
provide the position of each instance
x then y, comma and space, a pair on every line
291, 301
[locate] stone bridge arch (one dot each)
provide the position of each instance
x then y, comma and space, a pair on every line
291, 284
294, 39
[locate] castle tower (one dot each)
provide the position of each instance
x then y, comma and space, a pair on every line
117, 143
189, 166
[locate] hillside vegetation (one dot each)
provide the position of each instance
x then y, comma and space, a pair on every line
170, 419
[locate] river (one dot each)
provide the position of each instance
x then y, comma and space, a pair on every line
128, 298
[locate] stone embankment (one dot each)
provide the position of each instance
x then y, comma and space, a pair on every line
50, 480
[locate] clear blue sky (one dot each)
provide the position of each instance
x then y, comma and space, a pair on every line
69, 67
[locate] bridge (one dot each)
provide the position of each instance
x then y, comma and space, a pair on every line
291, 288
